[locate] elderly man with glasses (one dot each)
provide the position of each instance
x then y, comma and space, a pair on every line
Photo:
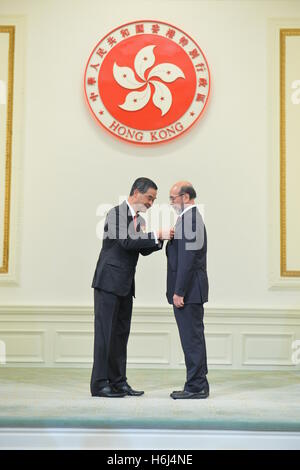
187, 287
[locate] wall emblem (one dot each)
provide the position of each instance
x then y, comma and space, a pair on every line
147, 82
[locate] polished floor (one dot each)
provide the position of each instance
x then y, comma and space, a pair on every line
239, 400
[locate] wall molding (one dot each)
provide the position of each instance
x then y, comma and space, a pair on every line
155, 310
13, 206
280, 277
236, 337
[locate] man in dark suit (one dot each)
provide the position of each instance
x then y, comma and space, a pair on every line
187, 287
124, 239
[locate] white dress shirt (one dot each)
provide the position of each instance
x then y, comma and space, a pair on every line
187, 209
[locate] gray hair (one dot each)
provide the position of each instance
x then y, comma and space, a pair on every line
188, 190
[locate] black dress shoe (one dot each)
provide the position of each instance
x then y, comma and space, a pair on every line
184, 395
109, 392
128, 390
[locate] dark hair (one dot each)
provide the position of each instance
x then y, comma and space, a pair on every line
142, 185
188, 190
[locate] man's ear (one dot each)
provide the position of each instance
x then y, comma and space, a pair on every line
186, 198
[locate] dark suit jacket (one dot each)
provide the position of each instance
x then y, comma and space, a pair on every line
186, 274
120, 251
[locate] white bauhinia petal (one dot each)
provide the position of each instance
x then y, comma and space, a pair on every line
162, 97
126, 78
136, 100
166, 72
144, 60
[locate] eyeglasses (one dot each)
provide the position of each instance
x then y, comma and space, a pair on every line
172, 198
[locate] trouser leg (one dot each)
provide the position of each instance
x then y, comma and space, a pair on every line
105, 306
119, 340
191, 330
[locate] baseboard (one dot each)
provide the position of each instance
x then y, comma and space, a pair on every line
121, 439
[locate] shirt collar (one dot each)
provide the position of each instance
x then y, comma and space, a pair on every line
133, 213
187, 209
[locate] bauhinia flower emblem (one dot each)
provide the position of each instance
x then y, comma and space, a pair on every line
162, 96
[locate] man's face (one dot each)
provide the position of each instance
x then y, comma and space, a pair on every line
176, 200
146, 200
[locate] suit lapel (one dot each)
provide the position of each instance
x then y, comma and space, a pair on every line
124, 208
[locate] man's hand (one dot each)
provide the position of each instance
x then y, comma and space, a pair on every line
165, 234
178, 301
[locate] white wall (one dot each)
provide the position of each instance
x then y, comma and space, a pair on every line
70, 165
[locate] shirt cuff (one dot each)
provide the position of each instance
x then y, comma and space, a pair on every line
156, 239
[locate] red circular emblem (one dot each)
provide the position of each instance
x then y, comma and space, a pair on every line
147, 82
